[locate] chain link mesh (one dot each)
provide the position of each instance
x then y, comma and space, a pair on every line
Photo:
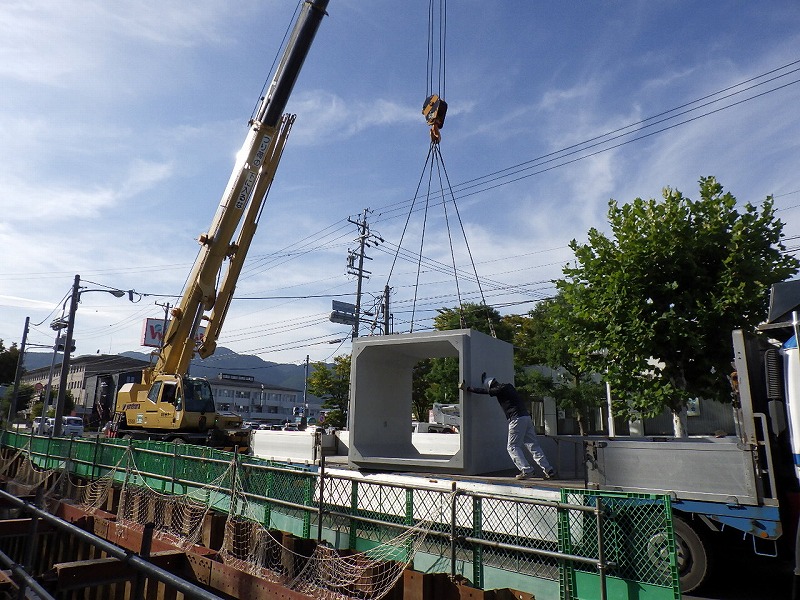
481, 532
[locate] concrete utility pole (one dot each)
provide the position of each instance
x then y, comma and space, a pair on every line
12, 407
364, 239
62, 382
386, 310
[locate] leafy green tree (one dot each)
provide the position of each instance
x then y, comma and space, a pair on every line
420, 403
69, 405
8, 362
332, 384
660, 297
473, 316
540, 339
436, 379
24, 396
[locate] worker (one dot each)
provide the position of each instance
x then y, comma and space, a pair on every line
521, 433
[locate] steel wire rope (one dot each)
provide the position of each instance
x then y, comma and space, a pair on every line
469, 250
422, 233
437, 266
439, 169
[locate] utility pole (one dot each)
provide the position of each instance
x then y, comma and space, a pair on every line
164, 323
62, 385
386, 310
364, 239
12, 407
305, 392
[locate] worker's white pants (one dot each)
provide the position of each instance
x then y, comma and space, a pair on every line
521, 435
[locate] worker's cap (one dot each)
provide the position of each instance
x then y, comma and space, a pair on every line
491, 382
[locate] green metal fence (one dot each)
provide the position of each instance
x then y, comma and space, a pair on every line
584, 546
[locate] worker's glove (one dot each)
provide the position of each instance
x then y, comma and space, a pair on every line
462, 385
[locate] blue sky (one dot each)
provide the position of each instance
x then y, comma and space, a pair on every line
121, 120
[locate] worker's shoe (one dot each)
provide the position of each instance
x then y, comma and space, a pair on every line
523, 475
550, 473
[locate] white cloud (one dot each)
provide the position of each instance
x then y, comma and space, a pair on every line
327, 117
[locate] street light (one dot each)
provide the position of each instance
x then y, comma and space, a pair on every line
73, 307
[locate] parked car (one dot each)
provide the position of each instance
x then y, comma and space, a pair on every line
291, 427
37, 422
71, 426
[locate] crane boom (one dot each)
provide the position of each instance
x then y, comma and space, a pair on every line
244, 194
168, 404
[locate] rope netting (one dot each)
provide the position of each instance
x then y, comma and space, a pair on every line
325, 572
90, 495
328, 573
177, 518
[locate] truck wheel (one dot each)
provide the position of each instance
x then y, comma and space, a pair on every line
693, 556
177, 440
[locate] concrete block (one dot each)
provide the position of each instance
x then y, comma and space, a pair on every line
380, 403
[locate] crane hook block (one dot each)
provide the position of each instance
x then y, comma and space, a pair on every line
434, 109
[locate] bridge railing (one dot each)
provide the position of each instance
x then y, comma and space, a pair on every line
586, 543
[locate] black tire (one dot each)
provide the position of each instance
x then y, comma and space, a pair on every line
694, 558
177, 440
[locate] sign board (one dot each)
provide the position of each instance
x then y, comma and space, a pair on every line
343, 307
154, 331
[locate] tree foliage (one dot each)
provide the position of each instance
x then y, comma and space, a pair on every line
332, 384
436, 379
540, 338
8, 362
25, 396
660, 297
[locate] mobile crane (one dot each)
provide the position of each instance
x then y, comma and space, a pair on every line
168, 404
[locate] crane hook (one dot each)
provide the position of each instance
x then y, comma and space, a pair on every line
434, 110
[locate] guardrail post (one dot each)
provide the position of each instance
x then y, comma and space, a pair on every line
320, 512
174, 467
144, 552
477, 549
234, 475
68, 463
354, 512
308, 500
268, 494
32, 541
453, 530
94, 460
601, 560
47, 454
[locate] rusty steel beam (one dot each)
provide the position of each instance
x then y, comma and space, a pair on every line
89, 573
189, 589
17, 527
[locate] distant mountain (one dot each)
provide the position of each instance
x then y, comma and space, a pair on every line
37, 360
224, 360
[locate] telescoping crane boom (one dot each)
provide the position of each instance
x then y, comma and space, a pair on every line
168, 403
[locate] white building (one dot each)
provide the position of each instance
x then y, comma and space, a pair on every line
261, 402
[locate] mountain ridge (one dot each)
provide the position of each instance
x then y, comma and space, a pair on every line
224, 360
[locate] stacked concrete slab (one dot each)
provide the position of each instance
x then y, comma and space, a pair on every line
380, 403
